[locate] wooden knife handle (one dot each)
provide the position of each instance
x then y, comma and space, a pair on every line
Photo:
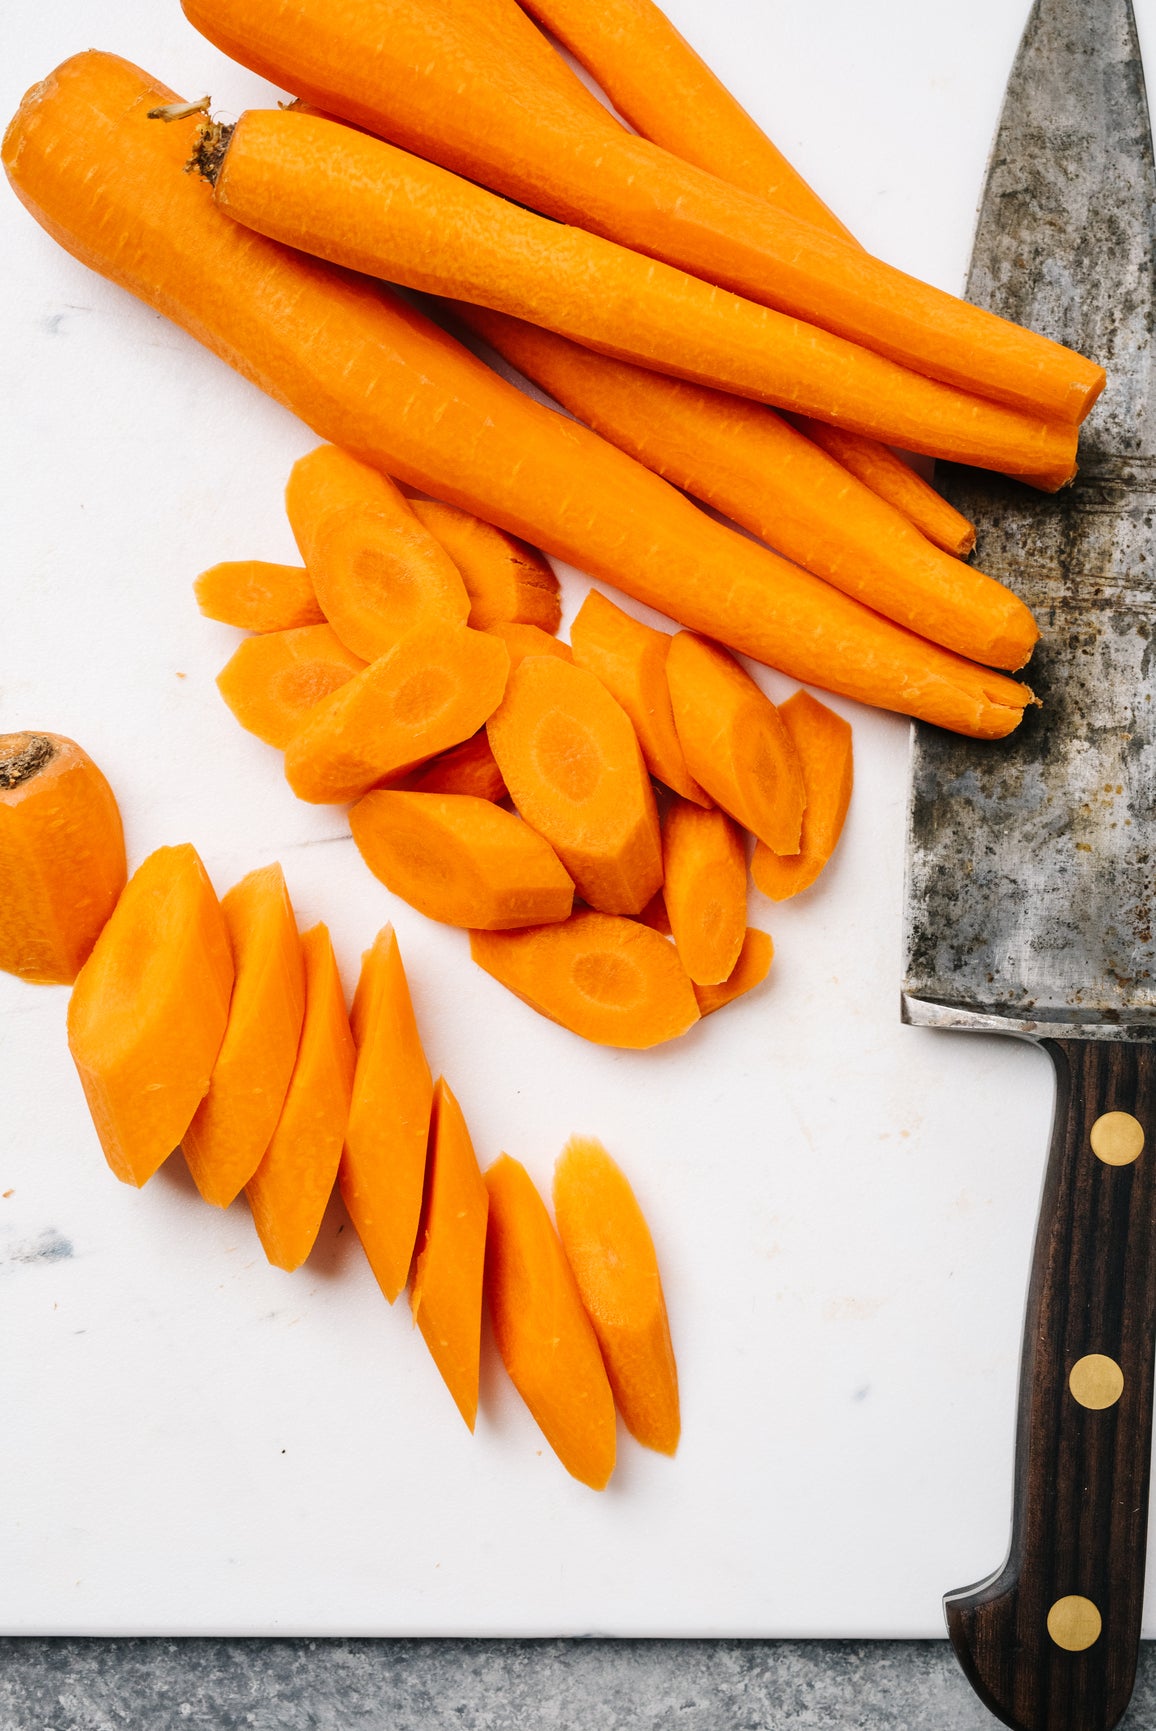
1050, 1641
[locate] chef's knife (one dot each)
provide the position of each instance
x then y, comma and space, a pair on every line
1029, 905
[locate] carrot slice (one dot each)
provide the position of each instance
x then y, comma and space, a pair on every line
570, 758
544, 1335
62, 863
384, 1158
611, 980
463, 861
749, 971
149, 1009
233, 1124
704, 888
446, 1296
272, 682
630, 660
609, 1247
823, 742
506, 579
655, 916
522, 640
466, 768
896, 481
433, 689
258, 596
289, 1191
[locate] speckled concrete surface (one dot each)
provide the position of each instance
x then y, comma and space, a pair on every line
73, 1685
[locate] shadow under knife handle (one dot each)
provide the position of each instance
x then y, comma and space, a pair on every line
1050, 1642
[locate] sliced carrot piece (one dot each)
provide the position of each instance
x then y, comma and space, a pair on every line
148, 1011
384, 1158
704, 888
272, 682
609, 1247
290, 1189
749, 971
234, 1122
506, 579
461, 860
522, 640
446, 1296
611, 980
571, 760
258, 596
823, 742
735, 743
62, 863
544, 1335
432, 690
887, 475
655, 916
470, 767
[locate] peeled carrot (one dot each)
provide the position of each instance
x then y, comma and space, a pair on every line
433, 689
446, 1296
258, 596
704, 889
62, 863
148, 1011
368, 373
466, 768
289, 1191
378, 571
233, 1124
735, 742
570, 758
522, 640
384, 1158
897, 482
611, 980
611, 1252
543, 1333
749, 971
273, 681
507, 580
823, 742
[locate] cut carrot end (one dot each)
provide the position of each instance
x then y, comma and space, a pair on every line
258, 596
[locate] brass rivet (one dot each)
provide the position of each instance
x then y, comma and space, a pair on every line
1074, 1623
1117, 1138
1096, 1381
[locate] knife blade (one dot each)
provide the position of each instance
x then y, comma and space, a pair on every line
1029, 904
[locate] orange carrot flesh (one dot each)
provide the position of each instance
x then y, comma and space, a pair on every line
62, 864
507, 580
466, 768
148, 1011
234, 1122
823, 742
543, 1333
611, 1252
522, 640
369, 374
570, 758
433, 689
630, 660
735, 742
895, 481
378, 571
461, 860
289, 1191
446, 1295
273, 681
258, 596
655, 916
611, 980
384, 1158
704, 888
751, 969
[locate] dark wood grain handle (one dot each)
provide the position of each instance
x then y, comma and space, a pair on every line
1050, 1641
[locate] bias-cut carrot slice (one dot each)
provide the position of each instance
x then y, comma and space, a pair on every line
432, 690
258, 596
823, 742
506, 579
522, 640
384, 1158
234, 1122
570, 758
149, 1009
289, 1191
544, 1335
611, 980
735, 743
609, 1247
446, 1296
470, 767
271, 682
704, 888
463, 861
749, 971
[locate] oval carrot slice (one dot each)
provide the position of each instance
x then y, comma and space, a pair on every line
823, 742
258, 596
523, 640
466, 768
272, 682
749, 971
704, 888
507, 580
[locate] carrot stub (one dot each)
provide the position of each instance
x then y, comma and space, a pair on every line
506, 579
611, 1252
704, 888
823, 742
62, 862
466, 768
547, 1342
258, 596
749, 971
273, 682
149, 1009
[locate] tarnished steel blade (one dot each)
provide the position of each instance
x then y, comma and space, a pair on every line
1031, 861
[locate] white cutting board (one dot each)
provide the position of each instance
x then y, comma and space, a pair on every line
192, 1442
